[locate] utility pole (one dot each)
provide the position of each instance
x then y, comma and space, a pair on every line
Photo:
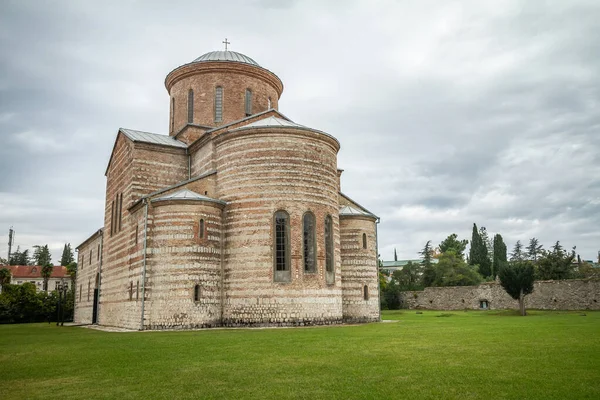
11, 240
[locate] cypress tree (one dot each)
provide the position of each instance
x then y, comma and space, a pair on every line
478, 254
499, 259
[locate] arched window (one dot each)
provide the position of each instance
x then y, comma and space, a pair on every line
190, 106
309, 242
269, 103
248, 102
364, 240
329, 261
366, 292
172, 113
197, 293
281, 245
201, 229
218, 104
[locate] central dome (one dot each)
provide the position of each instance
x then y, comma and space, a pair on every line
226, 56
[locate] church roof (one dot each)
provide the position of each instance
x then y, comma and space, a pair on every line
226, 56
186, 194
356, 212
272, 121
147, 137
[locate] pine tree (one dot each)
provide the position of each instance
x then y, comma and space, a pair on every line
517, 253
19, 257
43, 258
478, 254
499, 258
534, 250
428, 270
67, 255
452, 243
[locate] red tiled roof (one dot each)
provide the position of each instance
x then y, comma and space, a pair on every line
35, 271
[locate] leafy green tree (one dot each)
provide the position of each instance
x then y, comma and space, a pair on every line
20, 257
67, 255
427, 263
556, 264
452, 243
499, 259
409, 277
5, 276
393, 296
534, 250
3, 261
517, 253
452, 270
517, 280
478, 254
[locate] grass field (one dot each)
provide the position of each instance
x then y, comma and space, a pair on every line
434, 355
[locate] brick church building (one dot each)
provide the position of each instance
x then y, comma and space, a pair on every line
235, 218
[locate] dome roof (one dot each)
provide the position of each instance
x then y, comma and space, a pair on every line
226, 56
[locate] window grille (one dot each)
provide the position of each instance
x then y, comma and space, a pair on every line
248, 102
328, 244
282, 247
309, 243
219, 104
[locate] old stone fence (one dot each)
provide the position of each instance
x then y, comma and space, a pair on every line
574, 294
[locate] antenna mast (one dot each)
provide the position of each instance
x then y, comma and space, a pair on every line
11, 240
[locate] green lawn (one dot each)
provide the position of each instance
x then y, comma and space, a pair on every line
434, 355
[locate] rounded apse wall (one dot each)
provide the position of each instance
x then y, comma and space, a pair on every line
262, 171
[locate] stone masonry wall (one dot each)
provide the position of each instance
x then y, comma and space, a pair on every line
262, 171
359, 269
547, 295
88, 266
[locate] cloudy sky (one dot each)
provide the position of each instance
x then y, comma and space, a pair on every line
449, 112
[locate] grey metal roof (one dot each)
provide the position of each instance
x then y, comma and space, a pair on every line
147, 137
226, 56
272, 121
352, 211
186, 194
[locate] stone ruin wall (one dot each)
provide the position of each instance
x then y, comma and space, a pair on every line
575, 294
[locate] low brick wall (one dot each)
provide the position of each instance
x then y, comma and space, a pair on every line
575, 294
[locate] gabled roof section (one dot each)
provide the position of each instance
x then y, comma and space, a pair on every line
145, 137
154, 138
354, 208
252, 117
186, 194
271, 121
93, 236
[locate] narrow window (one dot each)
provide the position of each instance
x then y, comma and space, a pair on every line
201, 229
282, 247
328, 244
197, 293
90, 256
120, 211
172, 114
366, 292
269, 103
80, 289
190, 106
89, 285
130, 290
219, 104
136, 234
82, 260
248, 102
98, 255
364, 240
309, 243
137, 290
112, 222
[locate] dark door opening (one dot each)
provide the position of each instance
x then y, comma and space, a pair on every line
95, 309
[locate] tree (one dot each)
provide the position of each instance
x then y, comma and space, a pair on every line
5, 276
452, 270
427, 263
395, 255
409, 277
3, 261
72, 271
499, 258
452, 243
42, 256
20, 257
478, 254
488, 243
534, 250
556, 264
517, 253
67, 255
517, 280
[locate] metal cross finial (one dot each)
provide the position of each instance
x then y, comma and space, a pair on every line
226, 43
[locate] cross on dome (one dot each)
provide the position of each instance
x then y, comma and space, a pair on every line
226, 43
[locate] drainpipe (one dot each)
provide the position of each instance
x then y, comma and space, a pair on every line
189, 164
222, 263
377, 252
144, 263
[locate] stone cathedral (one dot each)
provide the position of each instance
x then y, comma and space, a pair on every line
235, 218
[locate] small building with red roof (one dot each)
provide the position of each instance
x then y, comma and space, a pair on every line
33, 274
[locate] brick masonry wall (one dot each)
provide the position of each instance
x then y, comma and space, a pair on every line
178, 260
547, 295
86, 280
203, 81
359, 269
262, 171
